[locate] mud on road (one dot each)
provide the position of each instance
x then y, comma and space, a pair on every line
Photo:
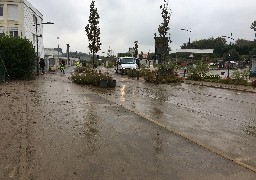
51, 128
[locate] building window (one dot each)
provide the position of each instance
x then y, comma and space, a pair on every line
1, 11
13, 32
12, 12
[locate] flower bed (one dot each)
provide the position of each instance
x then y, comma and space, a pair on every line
162, 76
88, 76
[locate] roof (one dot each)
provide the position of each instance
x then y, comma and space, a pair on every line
196, 51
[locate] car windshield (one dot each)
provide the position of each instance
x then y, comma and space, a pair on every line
127, 61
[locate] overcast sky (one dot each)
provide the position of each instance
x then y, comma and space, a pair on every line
124, 21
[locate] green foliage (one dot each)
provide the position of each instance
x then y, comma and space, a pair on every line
157, 77
93, 31
124, 55
198, 71
234, 55
88, 76
240, 78
165, 74
212, 78
133, 73
218, 44
18, 56
110, 64
166, 15
135, 49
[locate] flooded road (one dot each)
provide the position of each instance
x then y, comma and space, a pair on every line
54, 129
223, 121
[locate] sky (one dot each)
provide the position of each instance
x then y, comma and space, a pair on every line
124, 21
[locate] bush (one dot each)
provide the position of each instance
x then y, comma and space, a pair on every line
88, 76
240, 78
164, 74
211, 78
198, 71
110, 64
18, 56
133, 73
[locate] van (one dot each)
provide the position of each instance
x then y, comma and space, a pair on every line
124, 64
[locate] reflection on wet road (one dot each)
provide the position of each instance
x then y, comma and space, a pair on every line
222, 120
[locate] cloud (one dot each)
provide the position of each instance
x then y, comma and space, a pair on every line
124, 21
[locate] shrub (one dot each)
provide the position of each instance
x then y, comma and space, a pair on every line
88, 76
198, 71
227, 80
240, 78
164, 74
211, 78
133, 73
110, 64
18, 56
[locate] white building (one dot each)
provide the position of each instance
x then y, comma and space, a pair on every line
19, 18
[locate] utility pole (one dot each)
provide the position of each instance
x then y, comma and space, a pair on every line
58, 51
37, 58
69, 63
37, 36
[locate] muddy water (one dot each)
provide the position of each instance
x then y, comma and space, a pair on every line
223, 120
53, 129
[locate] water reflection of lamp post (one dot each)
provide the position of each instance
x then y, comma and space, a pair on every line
37, 36
189, 35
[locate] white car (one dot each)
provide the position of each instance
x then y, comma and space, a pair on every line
124, 64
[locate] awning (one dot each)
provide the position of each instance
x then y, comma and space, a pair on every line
196, 51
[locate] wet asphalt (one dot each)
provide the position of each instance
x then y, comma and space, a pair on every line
54, 129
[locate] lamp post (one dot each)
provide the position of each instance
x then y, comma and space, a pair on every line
37, 36
228, 64
58, 50
189, 35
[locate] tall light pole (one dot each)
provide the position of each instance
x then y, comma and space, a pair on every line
228, 64
58, 50
37, 36
189, 35
68, 62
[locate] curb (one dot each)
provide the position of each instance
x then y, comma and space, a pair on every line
222, 86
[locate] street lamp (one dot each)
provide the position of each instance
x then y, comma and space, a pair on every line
58, 50
189, 35
37, 36
228, 64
